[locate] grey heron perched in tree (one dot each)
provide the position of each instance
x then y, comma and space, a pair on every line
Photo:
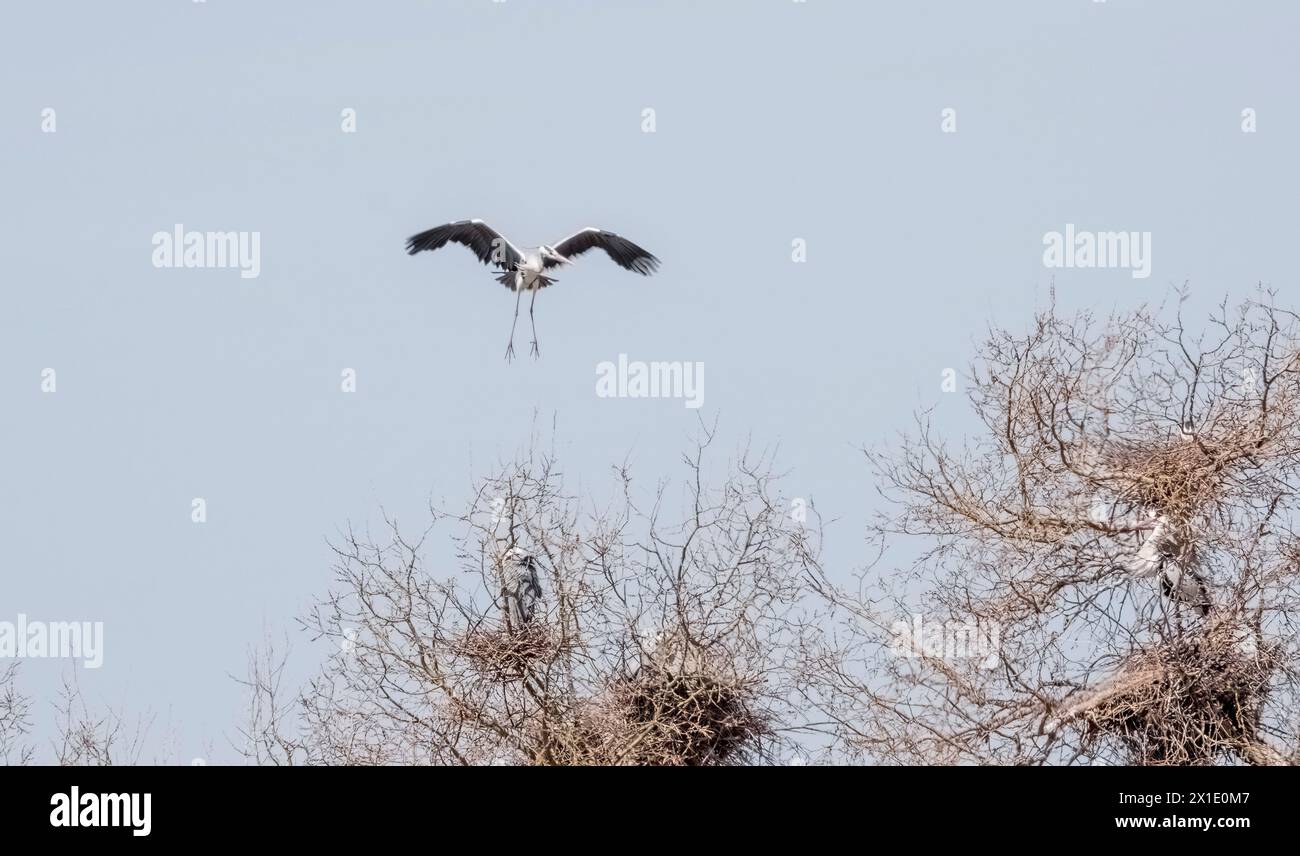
525, 270
1169, 552
521, 586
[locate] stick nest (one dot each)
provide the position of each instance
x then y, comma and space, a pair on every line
661, 718
686, 719
504, 655
1191, 700
1177, 476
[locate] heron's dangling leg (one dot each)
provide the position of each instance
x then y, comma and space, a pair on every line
510, 347
533, 321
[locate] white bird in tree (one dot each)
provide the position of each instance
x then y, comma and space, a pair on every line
1156, 549
1169, 552
523, 270
521, 586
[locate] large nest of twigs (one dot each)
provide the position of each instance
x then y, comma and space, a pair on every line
1177, 476
661, 717
692, 718
1190, 700
502, 654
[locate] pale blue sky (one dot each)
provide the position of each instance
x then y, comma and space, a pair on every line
775, 120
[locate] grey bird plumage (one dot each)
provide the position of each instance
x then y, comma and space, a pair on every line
522, 589
523, 270
1169, 553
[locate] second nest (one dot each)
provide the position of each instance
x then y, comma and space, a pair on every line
1195, 699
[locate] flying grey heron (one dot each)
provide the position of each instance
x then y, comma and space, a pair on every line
1168, 552
521, 270
521, 586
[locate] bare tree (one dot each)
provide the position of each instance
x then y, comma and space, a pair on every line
1117, 540
267, 735
95, 739
81, 737
576, 632
15, 719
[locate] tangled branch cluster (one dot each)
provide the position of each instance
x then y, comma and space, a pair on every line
652, 643
1107, 571
1090, 434
1195, 699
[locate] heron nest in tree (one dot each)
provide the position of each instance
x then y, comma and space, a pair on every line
661, 718
1190, 700
691, 718
505, 655
1176, 476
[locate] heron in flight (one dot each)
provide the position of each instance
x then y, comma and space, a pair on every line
521, 270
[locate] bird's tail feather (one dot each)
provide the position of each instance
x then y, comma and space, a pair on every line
514, 280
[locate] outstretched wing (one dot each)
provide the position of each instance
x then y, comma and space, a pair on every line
487, 243
620, 249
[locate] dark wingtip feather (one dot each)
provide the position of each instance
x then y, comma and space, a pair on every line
426, 240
